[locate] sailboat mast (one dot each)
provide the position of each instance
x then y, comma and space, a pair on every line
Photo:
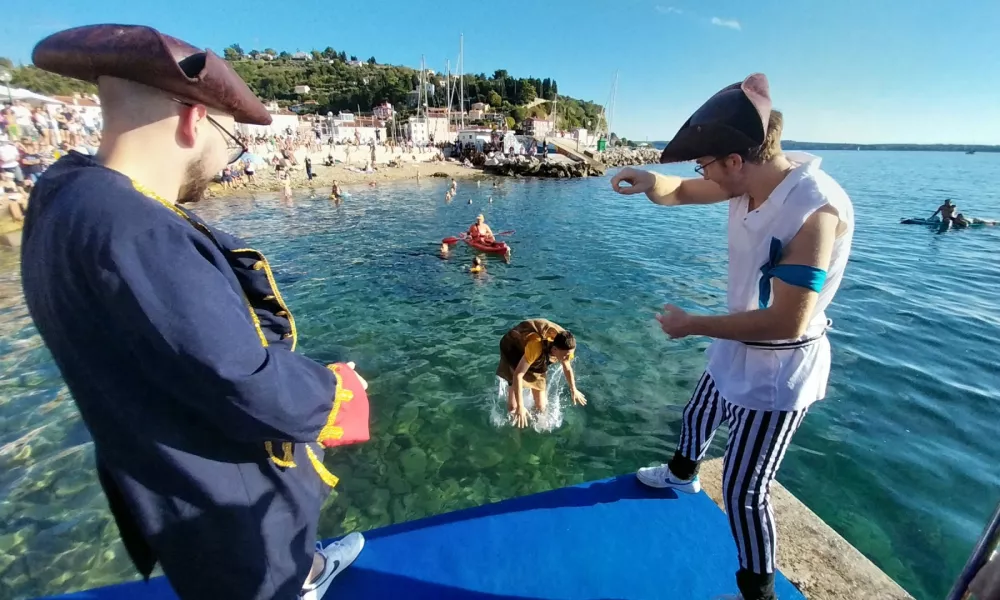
461, 77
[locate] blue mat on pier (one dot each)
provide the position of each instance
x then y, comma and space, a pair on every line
611, 539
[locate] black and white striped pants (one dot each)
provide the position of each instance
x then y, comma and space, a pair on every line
757, 443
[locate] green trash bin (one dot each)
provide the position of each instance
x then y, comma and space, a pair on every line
602, 144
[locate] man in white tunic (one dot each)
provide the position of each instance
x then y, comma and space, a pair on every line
790, 230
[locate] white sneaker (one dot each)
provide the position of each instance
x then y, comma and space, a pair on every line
337, 556
661, 477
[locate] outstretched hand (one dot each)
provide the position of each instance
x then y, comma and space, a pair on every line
639, 181
521, 418
579, 399
674, 321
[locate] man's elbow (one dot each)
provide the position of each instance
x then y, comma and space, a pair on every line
789, 327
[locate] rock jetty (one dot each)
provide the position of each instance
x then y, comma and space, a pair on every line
537, 168
625, 157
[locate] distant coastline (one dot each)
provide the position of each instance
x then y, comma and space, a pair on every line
793, 145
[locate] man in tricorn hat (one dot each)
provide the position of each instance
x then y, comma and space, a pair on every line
177, 346
790, 230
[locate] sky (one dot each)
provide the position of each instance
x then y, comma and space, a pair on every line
864, 71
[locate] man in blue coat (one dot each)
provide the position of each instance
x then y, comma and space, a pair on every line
173, 337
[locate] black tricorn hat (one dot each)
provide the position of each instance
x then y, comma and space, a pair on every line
734, 120
144, 55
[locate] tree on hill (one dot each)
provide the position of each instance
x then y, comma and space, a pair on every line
499, 74
527, 93
329, 53
494, 99
372, 61
342, 56
354, 58
270, 51
6, 62
284, 55
42, 82
316, 55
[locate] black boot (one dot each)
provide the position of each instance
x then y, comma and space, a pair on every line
755, 586
682, 467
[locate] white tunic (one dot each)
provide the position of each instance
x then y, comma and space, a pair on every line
783, 379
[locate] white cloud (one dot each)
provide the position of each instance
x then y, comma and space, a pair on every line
730, 23
669, 10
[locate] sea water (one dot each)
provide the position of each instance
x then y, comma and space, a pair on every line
900, 458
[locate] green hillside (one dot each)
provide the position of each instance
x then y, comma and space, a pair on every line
335, 84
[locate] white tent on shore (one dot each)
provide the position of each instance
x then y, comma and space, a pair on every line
25, 96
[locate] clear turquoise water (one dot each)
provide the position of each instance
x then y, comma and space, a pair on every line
901, 458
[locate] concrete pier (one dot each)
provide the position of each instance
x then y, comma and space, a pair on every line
814, 557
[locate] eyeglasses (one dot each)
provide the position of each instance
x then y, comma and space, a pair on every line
234, 145
700, 169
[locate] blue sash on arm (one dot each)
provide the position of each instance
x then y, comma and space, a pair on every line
810, 278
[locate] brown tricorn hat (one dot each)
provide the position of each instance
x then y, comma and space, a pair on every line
144, 55
734, 120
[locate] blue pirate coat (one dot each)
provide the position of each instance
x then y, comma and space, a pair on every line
178, 351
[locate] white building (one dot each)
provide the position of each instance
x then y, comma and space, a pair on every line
302, 89
302, 56
282, 121
416, 129
481, 106
383, 111
478, 137
538, 127
355, 129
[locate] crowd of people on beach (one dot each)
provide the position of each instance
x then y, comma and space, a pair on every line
31, 139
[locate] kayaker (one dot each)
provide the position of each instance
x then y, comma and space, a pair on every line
208, 428
946, 210
790, 228
526, 351
477, 266
481, 232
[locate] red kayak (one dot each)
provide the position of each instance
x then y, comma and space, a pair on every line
493, 248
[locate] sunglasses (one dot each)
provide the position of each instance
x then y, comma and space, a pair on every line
233, 145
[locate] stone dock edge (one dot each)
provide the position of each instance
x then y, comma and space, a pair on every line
814, 557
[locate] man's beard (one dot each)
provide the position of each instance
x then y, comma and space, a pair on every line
195, 182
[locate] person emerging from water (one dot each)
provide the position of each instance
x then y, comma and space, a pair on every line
336, 193
480, 231
947, 211
526, 351
478, 267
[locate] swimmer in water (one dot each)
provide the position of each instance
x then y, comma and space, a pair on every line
491, 199
477, 268
336, 193
445, 250
470, 200
526, 351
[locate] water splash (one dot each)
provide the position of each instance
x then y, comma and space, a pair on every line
556, 397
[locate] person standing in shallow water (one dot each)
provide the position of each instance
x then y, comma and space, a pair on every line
178, 349
526, 351
790, 231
